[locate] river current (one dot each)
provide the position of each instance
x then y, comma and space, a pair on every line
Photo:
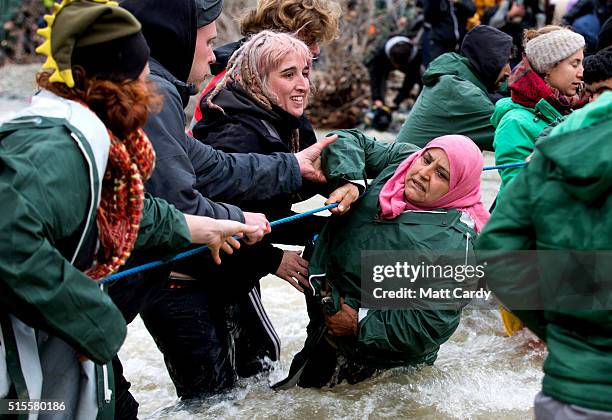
479, 374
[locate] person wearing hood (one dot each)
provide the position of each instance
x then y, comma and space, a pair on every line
72, 168
401, 52
257, 112
419, 201
545, 87
314, 22
458, 90
190, 174
560, 205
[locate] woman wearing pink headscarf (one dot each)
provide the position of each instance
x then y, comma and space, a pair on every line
419, 201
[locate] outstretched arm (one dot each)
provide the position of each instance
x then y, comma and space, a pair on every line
357, 157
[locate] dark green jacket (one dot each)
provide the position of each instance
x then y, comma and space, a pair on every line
386, 338
562, 201
453, 101
49, 186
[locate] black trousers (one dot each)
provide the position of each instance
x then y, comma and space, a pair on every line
208, 343
320, 362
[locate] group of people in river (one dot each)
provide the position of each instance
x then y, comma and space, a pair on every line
101, 173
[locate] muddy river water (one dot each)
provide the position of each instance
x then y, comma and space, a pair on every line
479, 374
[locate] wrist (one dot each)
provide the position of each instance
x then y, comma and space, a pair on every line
276, 259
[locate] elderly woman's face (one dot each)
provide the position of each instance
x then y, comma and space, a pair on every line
289, 83
428, 178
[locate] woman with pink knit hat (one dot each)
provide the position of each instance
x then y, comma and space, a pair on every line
421, 203
545, 87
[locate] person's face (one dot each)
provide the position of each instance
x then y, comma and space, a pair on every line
428, 178
289, 83
567, 75
504, 73
596, 89
204, 55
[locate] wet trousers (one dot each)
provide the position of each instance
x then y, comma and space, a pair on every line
208, 343
547, 408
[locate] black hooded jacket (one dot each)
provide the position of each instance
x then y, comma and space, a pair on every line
457, 93
488, 50
171, 31
247, 127
188, 173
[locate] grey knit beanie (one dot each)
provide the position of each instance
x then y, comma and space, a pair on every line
546, 50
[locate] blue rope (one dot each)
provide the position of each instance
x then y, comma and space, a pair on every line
507, 165
195, 251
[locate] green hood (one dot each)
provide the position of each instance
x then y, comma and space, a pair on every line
502, 107
580, 148
451, 64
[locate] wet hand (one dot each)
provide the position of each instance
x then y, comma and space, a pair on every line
342, 323
259, 220
309, 160
294, 270
217, 234
345, 196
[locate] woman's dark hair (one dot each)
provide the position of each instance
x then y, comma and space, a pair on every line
400, 54
598, 67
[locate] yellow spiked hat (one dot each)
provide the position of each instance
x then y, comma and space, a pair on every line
77, 24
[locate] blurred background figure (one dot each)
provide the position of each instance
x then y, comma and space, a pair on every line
448, 20
514, 17
586, 17
400, 51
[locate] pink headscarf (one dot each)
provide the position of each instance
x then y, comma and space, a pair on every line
464, 186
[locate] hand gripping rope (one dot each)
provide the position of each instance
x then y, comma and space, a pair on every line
195, 251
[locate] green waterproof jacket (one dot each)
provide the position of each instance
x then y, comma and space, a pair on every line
49, 186
516, 130
386, 337
453, 101
562, 201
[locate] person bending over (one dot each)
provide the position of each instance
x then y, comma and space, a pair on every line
419, 200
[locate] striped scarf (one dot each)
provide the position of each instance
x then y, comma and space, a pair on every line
130, 164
